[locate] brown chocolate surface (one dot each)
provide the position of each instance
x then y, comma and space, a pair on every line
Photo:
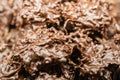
59, 40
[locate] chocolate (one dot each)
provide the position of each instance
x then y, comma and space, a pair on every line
59, 40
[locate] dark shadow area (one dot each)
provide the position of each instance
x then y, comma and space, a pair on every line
11, 27
51, 68
25, 74
95, 34
76, 55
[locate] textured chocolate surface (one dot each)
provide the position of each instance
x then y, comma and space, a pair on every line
59, 40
